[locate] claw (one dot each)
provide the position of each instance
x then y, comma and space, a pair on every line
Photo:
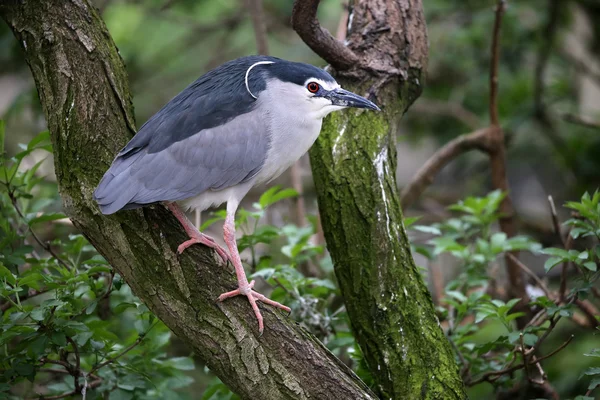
253, 297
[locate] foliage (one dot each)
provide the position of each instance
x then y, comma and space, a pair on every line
471, 301
68, 320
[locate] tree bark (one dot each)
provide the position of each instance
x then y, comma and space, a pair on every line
83, 88
354, 164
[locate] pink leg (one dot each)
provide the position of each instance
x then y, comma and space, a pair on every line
195, 235
244, 288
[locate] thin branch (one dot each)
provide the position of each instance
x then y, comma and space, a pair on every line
427, 173
255, 7
77, 370
464, 370
494, 375
45, 246
92, 385
494, 63
563, 276
544, 54
498, 171
122, 353
583, 121
590, 311
306, 24
65, 364
28, 295
532, 274
447, 109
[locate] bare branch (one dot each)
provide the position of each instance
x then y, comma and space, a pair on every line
306, 24
260, 27
494, 375
583, 121
122, 353
498, 171
531, 274
427, 173
71, 393
494, 63
590, 311
448, 109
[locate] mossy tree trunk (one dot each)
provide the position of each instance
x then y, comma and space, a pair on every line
354, 164
83, 88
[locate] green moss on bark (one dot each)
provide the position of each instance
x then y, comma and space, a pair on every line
390, 307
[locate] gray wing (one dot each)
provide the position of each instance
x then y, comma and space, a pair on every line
212, 159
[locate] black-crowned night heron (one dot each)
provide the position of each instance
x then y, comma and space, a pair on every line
239, 125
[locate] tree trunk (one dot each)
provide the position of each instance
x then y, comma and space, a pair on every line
84, 92
354, 164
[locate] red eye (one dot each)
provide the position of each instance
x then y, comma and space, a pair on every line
313, 87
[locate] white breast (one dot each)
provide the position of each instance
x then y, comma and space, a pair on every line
294, 126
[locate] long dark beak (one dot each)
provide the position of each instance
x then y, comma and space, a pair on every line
344, 98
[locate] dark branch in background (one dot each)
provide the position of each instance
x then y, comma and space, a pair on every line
549, 34
447, 109
540, 110
498, 170
478, 140
306, 24
494, 63
45, 246
583, 121
255, 7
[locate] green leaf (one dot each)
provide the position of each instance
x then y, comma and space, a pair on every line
6, 274
37, 314
124, 306
59, 338
551, 263
42, 139
181, 363
497, 242
590, 372
409, 221
427, 229
594, 384
457, 295
82, 338
37, 347
552, 251
593, 353
591, 266
98, 269
273, 195
32, 280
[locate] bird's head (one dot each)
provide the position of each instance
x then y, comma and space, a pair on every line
306, 88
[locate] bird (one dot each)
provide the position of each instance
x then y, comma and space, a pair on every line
239, 125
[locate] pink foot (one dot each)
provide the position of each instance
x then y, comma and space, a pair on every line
253, 297
205, 240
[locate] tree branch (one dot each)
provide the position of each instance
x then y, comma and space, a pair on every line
498, 170
84, 92
260, 27
306, 24
495, 61
424, 177
353, 163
